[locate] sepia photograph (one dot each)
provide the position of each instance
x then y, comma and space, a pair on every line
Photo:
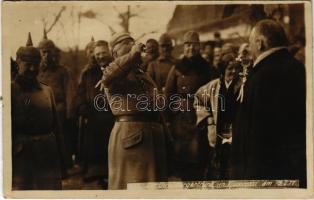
157, 99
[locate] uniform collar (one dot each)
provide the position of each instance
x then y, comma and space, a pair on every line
266, 54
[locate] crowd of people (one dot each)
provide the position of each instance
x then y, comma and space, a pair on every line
240, 112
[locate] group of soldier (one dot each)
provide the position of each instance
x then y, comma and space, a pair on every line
123, 144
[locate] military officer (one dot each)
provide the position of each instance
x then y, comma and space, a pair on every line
54, 75
89, 49
160, 68
57, 77
150, 54
184, 79
137, 151
37, 143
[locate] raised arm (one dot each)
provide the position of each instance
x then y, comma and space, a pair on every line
121, 66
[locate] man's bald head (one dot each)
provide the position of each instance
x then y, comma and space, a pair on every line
265, 35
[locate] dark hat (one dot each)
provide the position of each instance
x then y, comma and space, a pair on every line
191, 37
46, 43
165, 39
151, 46
119, 37
28, 53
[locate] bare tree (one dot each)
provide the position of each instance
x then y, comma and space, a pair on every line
125, 18
56, 19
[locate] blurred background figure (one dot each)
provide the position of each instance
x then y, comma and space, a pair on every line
57, 77
208, 55
89, 49
184, 79
229, 48
37, 141
217, 38
94, 125
216, 60
217, 115
151, 53
89, 52
159, 69
208, 51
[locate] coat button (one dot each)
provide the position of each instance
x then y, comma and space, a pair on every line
183, 87
183, 76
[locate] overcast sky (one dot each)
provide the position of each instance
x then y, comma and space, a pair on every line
19, 18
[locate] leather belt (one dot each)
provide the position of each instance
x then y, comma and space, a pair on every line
137, 118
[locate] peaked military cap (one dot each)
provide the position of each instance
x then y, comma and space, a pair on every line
119, 37
165, 39
46, 43
28, 53
90, 44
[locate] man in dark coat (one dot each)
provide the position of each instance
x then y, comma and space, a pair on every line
89, 104
208, 55
137, 151
37, 142
269, 136
54, 75
151, 53
57, 77
208, 52
184, 79
89, 52
159, 69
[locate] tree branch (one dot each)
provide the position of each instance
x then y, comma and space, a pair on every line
57, 17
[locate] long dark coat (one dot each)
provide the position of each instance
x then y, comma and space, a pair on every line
184, 79
97, 123
159, 70
269, 135
58, 78
37, 142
